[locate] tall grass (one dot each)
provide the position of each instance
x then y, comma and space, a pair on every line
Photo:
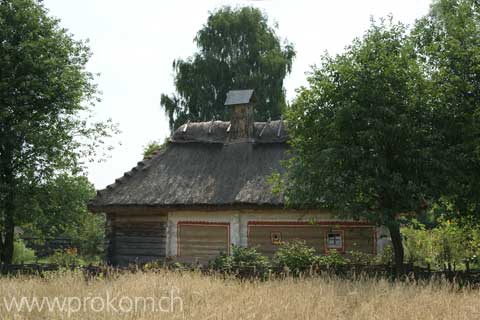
209, 297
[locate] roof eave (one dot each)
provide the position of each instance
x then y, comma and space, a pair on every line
111, 208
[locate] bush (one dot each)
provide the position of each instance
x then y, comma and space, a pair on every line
66, 258
332, 259
295, 256
359, 257
242, 261
154, 265
419, 244
448, 245
160, 264
387, 256
22, 254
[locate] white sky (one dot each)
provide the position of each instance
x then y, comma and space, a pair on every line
135, 42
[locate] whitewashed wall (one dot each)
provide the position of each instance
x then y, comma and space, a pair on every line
174, 217
383, 238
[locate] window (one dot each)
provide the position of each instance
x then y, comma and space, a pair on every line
335, 240
276, 237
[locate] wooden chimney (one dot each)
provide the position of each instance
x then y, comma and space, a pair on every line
241, 115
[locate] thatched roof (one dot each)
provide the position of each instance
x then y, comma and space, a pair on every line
200, 167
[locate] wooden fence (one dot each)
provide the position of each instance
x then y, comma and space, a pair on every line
471, 277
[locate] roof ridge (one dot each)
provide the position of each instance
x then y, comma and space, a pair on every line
217, 132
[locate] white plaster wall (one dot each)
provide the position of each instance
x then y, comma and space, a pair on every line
231, 217
239, 219
383, 239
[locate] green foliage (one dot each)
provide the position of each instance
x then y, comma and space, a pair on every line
22, 254
154, 265
46, 97
387, 256
448, 43
391, 125
295, 256
361, 132
242, 261
153, 147
360, 258
89, 236
59, 209
448, 244
332, 259
237, 49
418, 244
66, 258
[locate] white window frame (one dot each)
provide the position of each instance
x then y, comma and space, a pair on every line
338, 247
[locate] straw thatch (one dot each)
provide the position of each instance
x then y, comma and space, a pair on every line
200, 166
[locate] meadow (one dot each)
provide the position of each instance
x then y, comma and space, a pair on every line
190, 295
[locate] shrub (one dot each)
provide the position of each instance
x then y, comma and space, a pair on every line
359, 257
295, 256
22, 254
242, 261
446, 246
154, 265
386, 257
419, 244
67, 257
332, 259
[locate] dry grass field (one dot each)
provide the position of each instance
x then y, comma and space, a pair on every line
173, 295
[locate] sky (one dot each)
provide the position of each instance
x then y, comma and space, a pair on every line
135, 42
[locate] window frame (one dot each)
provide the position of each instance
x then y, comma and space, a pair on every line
339, 248
277, 241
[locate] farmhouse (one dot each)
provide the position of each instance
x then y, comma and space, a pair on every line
208, 189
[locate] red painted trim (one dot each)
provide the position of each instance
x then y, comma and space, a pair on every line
205, 224
307, 223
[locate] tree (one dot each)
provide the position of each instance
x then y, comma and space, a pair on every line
447, 245
360, 134
45, 98
237, 49
153, 147
448, 43
59, 209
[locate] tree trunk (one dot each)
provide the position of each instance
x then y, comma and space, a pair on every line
8, 229
7, 252
1, 247
7, 206
397, 245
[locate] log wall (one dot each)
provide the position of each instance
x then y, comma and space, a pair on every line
136, 238
260, 237
354, 237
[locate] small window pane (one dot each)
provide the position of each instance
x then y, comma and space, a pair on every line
276, 237
334, 240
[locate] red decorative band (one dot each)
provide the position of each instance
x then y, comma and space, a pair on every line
313, 223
